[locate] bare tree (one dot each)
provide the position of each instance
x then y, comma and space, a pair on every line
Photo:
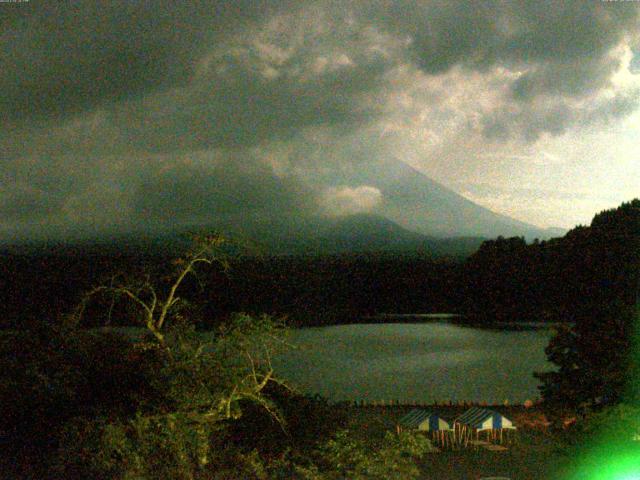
156, 307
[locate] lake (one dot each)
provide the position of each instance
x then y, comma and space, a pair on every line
419, 362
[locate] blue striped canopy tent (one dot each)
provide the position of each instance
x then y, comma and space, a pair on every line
481, 419
424, 420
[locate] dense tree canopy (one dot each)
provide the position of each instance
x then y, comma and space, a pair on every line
597, 356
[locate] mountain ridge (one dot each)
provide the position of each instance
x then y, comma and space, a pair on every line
415, 213
416, 202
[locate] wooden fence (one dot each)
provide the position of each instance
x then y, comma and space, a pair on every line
437, 403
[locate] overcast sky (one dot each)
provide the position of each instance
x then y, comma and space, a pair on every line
117, 114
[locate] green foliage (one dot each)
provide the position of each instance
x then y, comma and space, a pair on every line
346, 456
161, 446
594, 362
167, 406
197, 388
51, 376
307, 421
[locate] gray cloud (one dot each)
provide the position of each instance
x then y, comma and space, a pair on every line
218, 73
25, 203
560, 49
557, 116
513, 33
239, 86
634, 66
230, 192
238, 106
249, 83
570, 78
104, 102
60, 58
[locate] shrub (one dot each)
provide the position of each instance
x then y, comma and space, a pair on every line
346, 456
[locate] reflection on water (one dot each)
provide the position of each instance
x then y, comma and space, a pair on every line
421, 362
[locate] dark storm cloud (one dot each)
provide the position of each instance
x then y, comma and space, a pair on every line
562, 49
168, 78
237, 105
573, 78
26, 203
99, 94
556, 117
59, 58
113, 85
483, 33
229, 192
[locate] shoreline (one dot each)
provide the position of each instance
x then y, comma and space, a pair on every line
427, 318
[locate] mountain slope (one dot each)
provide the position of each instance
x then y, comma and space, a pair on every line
358, 233
418, 203
415, 214
371, 233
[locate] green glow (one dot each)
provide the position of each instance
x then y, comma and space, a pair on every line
614, 456
610, 464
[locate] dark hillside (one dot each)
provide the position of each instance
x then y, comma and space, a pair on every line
563, 279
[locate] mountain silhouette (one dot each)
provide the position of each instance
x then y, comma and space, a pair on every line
415, 214
416, 202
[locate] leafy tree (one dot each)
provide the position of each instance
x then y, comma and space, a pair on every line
172, 405
347, 456
597, 357
196, 386
593, 365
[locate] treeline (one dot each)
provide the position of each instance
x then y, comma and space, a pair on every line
563, 279
308, 290
43, 285
591, 278
341, 288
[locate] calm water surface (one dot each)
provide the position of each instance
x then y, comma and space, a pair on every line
421, 362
